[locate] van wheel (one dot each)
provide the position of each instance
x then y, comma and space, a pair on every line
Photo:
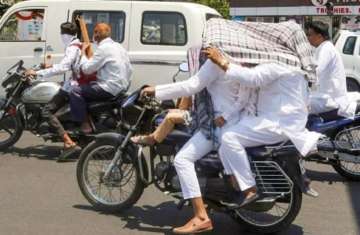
352, 85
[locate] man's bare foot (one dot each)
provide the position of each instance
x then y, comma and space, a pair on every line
143, 140
68, 142
251, 192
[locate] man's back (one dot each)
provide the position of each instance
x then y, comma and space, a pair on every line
330, 71
284, 100
112, 64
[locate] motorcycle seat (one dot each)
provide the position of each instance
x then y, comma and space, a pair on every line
114, 100
179, 136
332, 115
329, 116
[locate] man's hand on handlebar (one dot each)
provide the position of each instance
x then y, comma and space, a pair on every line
148, 91
30, 72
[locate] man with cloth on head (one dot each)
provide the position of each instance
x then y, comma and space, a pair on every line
276, 58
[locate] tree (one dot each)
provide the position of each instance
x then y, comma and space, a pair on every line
222, 6
5, 4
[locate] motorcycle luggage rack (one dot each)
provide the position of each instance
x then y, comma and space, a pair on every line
348, 139
270, 178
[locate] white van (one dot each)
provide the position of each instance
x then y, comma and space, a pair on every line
348, 44
156, 34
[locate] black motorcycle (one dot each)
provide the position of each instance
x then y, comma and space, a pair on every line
112, 172
21, 109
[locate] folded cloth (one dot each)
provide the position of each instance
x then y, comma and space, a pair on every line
257, 43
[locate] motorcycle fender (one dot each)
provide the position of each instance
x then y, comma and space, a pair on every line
293, 167
116, 139
111, 138
17, 111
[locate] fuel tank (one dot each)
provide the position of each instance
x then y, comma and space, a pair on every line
41, 92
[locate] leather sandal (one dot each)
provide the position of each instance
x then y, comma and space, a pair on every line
193, 227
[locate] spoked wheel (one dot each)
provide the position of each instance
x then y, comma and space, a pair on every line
349, 170
269, 215
117, 192
348, 138
11, 129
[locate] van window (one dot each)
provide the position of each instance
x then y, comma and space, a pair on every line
349, 46
210, 16
163, 28
116, 19
25, 25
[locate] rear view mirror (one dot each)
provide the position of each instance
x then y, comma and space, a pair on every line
183, 67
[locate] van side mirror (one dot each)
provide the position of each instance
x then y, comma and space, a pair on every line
183, 67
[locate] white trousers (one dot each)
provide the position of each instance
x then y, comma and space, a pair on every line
236, 139
196, 148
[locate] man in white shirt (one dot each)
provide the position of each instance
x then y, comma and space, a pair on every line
113, 71
229, 100
330, 91
68, 63
281, 115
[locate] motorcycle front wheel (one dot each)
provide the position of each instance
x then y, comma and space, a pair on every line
270, 216
351, 136
121, 190
11, 128
348, 170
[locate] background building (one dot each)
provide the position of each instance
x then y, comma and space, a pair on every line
345, 13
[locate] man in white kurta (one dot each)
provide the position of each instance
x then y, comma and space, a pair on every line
281, 115
330, 91
227, 96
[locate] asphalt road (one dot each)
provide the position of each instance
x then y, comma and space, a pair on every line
40, 196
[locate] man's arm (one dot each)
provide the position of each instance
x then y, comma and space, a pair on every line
208, 73
90, 66
258, 76
64, 66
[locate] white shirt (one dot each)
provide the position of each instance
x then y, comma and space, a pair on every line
71, 57
112, 66
330, 91
228, 97
282, 101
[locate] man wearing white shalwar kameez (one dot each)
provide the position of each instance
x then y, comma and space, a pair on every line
330, 91
281, 115
283, 62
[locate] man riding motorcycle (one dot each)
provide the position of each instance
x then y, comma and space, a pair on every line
113, 71
71, 43
330, 92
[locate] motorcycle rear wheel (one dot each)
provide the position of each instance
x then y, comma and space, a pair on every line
11, 129
99, 153
254, 221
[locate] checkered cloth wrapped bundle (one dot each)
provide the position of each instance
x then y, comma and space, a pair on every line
257, 43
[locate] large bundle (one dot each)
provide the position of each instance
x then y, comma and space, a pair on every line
256, 43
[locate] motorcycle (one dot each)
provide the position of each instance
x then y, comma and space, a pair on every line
345, 133
112, 172
21, 109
